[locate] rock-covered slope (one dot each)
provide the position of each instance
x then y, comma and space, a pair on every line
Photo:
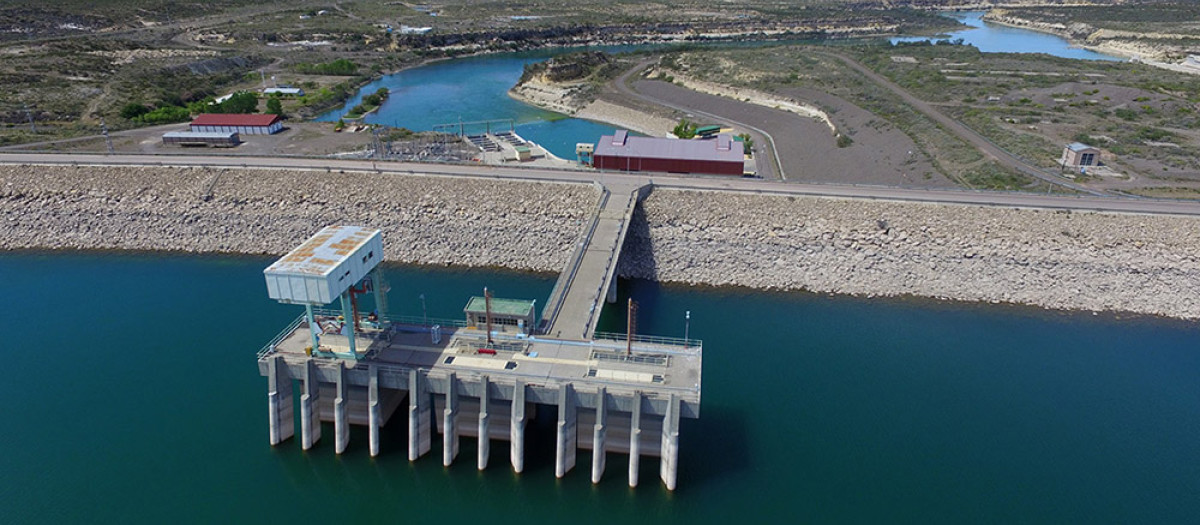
1077, 260
427, 220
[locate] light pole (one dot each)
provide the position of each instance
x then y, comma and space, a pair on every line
424, 312
687, 325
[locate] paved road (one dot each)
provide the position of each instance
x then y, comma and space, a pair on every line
771, 169
984, 198
951, 125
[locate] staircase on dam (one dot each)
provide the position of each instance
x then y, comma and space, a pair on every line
589, 278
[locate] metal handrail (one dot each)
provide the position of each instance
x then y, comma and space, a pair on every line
399, 319
610, 265
577, 260
270, 347
659, 391
654, 339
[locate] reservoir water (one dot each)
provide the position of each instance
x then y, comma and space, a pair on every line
131, 396
997, 38
130, 392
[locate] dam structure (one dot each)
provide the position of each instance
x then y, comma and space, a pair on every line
485, 375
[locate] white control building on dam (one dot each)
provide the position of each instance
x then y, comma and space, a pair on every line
483, 376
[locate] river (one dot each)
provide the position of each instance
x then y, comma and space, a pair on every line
131, 395
475, 89
998, 38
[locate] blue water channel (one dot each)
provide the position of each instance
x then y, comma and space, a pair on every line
997, 38
476, 89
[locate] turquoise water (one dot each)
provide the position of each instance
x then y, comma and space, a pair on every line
996, 38
475, 89
131, 395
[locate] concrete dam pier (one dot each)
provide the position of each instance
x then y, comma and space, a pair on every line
483, 376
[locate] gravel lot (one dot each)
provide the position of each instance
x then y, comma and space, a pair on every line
807, 149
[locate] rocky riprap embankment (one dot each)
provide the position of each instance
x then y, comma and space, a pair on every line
427, 220
1056, 259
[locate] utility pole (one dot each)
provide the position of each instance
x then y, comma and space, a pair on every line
107, 138
631, 326
687, 325
29, 115
487, 305
375, 153
424, 312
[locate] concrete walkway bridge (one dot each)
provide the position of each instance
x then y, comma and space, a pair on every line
590, 276
483, 377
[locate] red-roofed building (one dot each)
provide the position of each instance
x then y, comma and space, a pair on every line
245, 124
620, 151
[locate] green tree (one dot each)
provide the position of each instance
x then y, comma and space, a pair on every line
274, 106
685, 129
747, 143
133, 110
164, 115
240, 102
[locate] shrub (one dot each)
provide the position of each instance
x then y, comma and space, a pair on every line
1154, 134
133, 110
339, 67
240, 102
685, 129
164, 115
1126, 113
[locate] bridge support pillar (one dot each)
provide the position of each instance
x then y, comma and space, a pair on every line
516, 428
280, 417
635, 438
567, 435
450, 422
310, 419
669, 465
485, 441
611, 297
419, 411
599, 432
373, 415
341, 426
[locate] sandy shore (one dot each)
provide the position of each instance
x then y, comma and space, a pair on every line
559, 98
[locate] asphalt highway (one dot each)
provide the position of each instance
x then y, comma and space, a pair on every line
711, 183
